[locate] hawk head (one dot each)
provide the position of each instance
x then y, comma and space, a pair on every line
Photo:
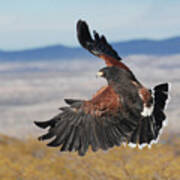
115, 74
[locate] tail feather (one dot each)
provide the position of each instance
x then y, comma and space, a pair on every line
161, 94
150, 127
165, 87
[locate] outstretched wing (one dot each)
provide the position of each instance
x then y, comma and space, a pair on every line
97, 46
99, 122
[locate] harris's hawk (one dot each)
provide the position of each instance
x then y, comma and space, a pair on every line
122, 112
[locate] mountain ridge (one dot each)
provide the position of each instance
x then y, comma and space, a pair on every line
162, 47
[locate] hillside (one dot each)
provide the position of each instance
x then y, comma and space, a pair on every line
164, 47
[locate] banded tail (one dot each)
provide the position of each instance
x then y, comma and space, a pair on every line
150, 127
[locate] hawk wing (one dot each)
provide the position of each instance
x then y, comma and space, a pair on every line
99, 122
98, 46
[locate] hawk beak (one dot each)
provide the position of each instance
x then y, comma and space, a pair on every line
99, 74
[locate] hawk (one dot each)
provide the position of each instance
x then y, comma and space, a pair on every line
124, 111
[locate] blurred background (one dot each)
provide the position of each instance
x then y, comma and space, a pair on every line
41, 63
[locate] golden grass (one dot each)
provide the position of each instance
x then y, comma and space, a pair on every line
32, 160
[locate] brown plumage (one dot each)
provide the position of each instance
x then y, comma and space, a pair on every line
105, 100
124, 111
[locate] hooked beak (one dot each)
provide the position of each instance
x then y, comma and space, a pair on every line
99, 74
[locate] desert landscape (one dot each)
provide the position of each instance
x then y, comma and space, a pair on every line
35, 90
47, 55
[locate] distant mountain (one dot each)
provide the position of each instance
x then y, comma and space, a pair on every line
148, 47
44, 53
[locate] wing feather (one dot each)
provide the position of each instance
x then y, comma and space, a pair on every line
97, 46
98, 123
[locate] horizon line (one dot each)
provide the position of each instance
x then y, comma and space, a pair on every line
79, 46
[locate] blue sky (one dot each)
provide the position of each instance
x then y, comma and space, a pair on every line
35, 23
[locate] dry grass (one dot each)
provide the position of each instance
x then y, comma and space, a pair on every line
31, 160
